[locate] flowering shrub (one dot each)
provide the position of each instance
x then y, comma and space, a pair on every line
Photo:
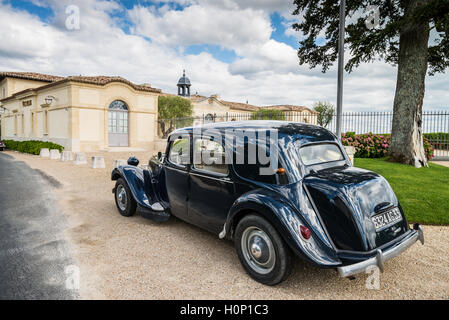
369, 145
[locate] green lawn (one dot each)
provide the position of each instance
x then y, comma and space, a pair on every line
423, 193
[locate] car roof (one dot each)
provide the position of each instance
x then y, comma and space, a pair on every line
307, 132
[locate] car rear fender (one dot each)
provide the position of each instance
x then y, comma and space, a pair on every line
286, 221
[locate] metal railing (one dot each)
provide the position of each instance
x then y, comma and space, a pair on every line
435, 124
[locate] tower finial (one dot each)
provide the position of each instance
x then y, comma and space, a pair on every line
184, 72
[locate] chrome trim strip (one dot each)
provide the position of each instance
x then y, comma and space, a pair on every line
223, 179
381, 257
176, 169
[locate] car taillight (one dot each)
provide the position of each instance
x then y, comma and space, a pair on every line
305, 232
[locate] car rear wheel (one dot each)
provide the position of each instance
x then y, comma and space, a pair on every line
261, 250
124, 200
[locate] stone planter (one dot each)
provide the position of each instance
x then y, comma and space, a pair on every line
97, 162
66, 156
80, 158
54, 154
44, 153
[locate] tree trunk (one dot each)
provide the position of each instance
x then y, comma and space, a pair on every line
406, 134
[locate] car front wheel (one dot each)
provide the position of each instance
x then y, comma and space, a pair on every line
124, 200
262, 251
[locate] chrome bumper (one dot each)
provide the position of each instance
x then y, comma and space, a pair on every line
381, 257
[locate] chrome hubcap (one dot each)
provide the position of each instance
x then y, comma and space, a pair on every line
258, 250
122, 199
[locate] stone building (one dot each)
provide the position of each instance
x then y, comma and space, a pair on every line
78, 112
213, 108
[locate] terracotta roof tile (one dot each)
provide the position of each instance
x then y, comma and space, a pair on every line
240, 106
289, 107
30, 76
103, 80
98, 80
197, 97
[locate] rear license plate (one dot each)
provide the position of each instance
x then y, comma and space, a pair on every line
386, 219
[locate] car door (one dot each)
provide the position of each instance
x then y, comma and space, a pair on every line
212, 191
177, 176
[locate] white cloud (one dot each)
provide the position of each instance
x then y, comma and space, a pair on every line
231, 29
265, 72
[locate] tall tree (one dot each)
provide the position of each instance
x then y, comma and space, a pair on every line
173, 112
325, 111
397, 33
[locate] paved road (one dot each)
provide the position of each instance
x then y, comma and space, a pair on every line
34, 255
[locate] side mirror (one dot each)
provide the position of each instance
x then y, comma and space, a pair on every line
133, 161
159, 155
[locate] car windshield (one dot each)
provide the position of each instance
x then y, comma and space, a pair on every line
320, 153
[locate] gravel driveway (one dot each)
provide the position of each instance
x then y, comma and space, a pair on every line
133, 258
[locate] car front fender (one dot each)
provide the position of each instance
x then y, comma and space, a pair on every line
286, 221
149, 198
134, 178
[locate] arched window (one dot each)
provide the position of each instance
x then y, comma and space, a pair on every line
209, 118
118, 105
118, 124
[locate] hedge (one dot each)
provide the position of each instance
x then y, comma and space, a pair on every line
369, 145
31, 146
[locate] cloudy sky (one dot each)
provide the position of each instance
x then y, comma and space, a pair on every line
243, 50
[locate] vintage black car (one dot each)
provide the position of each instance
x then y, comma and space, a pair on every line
313, 204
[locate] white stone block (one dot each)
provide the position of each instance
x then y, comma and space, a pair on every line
44, 153
97, 162
80, 158
54, 154
119, 162
66, 156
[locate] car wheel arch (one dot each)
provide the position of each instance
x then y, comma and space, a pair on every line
283, 223
249, 208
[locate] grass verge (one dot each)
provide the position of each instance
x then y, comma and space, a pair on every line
423, 193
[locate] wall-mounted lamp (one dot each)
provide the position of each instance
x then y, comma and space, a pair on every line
49, 100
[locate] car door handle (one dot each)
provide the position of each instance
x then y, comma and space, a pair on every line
226, 180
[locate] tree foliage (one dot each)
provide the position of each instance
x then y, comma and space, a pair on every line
412, 34
173, 112
268, 114
325, 111
319, 25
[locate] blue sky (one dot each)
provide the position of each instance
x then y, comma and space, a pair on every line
278, 22
240, 49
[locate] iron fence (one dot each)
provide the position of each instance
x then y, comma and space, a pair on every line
435, 124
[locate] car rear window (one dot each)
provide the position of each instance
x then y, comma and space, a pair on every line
320, 153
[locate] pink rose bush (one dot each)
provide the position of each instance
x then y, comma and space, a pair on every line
369, 145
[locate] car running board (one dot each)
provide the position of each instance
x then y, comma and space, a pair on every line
154, 215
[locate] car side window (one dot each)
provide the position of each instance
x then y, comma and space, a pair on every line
180, 152
209, 156
251, 171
